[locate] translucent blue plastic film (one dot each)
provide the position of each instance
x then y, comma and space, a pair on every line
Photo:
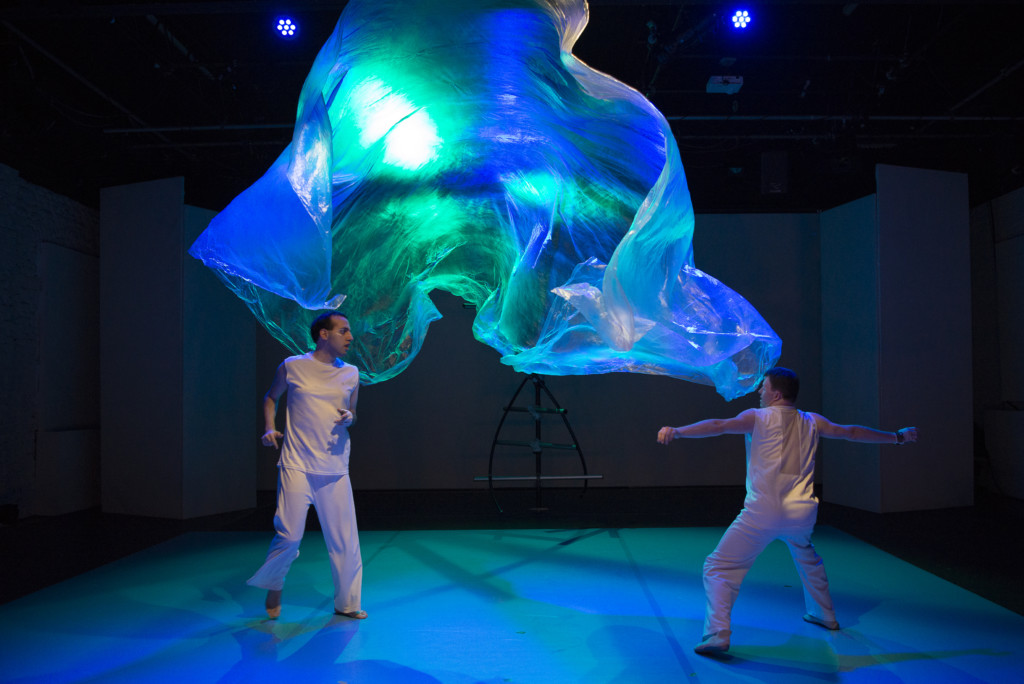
460, 145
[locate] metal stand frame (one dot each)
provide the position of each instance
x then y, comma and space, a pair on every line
536, 445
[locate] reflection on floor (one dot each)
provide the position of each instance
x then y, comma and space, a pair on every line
513, 605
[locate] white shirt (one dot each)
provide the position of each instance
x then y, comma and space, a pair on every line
313, 441
780, 465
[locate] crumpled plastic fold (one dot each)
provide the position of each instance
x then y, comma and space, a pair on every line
459, 145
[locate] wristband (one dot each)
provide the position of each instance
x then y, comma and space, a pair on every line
899, 437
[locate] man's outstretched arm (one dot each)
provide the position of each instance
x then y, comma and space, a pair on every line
860, 433
741, 424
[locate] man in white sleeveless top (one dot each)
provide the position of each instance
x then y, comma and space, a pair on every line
780, 502
313, 467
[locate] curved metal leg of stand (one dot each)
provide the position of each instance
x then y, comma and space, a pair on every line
494, 443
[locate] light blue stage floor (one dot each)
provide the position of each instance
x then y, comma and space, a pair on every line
523, 606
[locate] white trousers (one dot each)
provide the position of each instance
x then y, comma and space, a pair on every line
739, 547
331, 495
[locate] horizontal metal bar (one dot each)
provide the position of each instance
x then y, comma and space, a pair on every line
537, 409
532, 478
542, 445
757, 118
194, 129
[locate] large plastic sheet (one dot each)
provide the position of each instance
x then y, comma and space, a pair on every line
459, 144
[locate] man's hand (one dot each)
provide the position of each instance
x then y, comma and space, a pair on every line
270, 438
909, 435
345, 417
666, 435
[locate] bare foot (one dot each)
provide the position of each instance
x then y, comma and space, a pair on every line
354, 614
273, 603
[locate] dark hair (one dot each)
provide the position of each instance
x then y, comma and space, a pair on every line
323, 322
784, 381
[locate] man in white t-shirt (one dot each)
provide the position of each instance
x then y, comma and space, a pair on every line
780, 502
313, 467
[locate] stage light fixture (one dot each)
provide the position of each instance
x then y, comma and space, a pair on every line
740, 19
286, 28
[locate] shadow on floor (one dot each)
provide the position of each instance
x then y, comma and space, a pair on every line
966, 546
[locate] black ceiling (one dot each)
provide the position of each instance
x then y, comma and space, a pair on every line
105, 94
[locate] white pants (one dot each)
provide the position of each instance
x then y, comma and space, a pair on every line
331, 495
740, 546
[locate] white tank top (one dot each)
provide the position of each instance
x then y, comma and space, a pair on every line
780, 465
313, 441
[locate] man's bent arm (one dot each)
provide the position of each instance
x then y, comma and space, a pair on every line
270, 432
352, 401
